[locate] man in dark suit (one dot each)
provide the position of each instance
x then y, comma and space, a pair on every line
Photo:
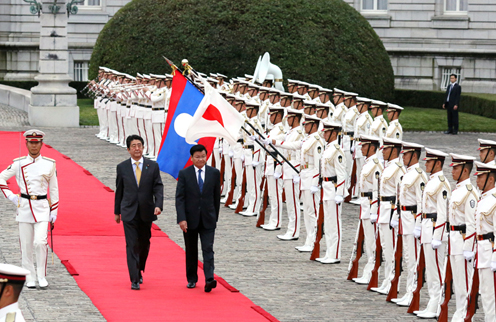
139, 198
197, 207
451, 103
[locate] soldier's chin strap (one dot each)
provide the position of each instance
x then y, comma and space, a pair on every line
485, 183
390, 153
409, 161
461, 173
3, 288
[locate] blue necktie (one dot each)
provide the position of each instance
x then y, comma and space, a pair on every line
200, 180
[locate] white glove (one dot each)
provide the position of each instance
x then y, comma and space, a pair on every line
277, 175
416, 231
394, 223
14, 198
436, 243
220, 150
242, 157
231, 154
314, 189
53, 217
493, 266
468, 255
373, 218
255, 163
296, 179
253, 137
352, 149
338, 199
267, 141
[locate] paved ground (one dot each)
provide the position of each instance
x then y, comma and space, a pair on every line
270, 272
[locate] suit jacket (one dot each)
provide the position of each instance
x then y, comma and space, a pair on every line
454, 96
129, 198
191, 205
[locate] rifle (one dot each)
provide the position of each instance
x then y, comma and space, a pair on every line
320, 227
265, 201
473, 296
357, 252
222, 171
414, 305
374, 279
353, 179
393, 290
233, 186
446, 287
241, 200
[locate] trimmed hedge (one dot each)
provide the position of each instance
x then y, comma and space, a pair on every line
325, 42
29, 84
469, 103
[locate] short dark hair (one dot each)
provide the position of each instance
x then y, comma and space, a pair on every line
197, 148
454, 75
133, 137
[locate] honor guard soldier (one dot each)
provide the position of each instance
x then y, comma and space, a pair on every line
462, 237
379, 125
485, 219
273, 170
333, 173
395, 130
292, 86
369, 187
487, 151
12, 279
303, 90
349, 135
340, 110
411, 189
291, 147
238, 156
253, 162
35, 175
362, 127
322, 111
297, 102
311, 151
432, 225
388, 190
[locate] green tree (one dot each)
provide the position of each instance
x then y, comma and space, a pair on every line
324, 42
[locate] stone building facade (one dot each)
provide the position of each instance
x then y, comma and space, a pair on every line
427, 40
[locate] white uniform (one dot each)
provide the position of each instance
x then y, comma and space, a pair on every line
274, 185
34, 177
333, 170
461, 212
379, 128
434, 206
311, 151
159, 99
291, 149
362, 127
390, 182
395, 131
348, 122
411, 189
369, 184
11, 313
485, 218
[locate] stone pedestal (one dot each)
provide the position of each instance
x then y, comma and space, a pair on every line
53, 102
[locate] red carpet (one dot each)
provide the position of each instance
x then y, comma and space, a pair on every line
92, 247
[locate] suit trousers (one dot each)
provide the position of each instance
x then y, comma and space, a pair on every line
138, 234
452, 120
207, 245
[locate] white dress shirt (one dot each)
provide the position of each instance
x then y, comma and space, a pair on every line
202, 173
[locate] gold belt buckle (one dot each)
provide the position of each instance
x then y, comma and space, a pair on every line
34, 197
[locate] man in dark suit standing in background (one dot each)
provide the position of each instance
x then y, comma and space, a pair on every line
139, 198
451, 103
197, 207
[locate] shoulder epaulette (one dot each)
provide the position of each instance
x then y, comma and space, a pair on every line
469, 187
337, 146
10, 317
300, 132
317, 137
418, 170
376, 161
494, 195
442, 178
399, 165
281, 128
21, 158
48, 159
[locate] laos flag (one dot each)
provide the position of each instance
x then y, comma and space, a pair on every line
174, 150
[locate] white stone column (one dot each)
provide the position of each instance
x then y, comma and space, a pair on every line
53, 102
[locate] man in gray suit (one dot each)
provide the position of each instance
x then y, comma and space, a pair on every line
139, 198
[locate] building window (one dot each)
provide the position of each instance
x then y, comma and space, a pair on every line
80, 71
91, 3
374, 5
456, 6
447, 71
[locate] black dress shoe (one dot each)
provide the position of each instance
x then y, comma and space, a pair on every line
454, 133
209, 285
191, 285
135, 286
140, 278
447, 132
